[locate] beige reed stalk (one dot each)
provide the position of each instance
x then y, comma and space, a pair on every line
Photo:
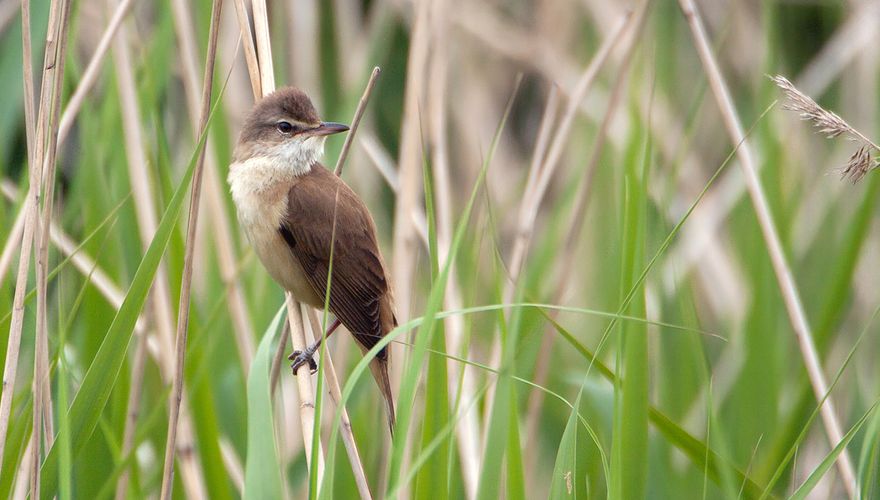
42, 390
461, 378
183, 309
214, 190
543, 169
146, 212
569, 252
786, 281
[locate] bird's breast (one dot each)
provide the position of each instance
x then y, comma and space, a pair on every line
260, 195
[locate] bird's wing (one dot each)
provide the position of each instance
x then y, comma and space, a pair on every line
358, 287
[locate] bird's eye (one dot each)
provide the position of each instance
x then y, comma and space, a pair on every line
285, 127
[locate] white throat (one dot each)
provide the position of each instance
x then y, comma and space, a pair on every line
298, 154
252, 179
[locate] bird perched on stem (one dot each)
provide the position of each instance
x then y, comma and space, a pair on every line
299, 217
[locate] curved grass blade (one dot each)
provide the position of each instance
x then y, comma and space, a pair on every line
100, 378
262, 477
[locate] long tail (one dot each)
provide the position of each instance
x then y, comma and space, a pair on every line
379, 367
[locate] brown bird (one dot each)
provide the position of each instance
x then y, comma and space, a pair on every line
288, 204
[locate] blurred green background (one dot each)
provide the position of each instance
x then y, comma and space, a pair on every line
663, 362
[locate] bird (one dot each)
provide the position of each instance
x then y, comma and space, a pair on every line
298, 216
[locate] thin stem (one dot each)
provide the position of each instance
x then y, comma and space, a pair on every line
784, 276
186, 280
359, 112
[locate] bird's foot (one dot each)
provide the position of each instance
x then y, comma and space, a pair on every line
300, 358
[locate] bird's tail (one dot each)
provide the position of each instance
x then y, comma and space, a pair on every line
379, 368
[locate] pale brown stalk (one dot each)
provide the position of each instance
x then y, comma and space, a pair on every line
46, 148
356, 121
357, 466
461, 389
569, 253
407, 200
233, 464
183, 309
90, 75
304, 384
264, 47
250, 51
133, 408
541, 173
146, 212
783, 273
305, 61
214, 190
13, 239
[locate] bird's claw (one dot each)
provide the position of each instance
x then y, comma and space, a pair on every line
300, 358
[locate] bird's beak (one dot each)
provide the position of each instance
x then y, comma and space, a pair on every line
327, 128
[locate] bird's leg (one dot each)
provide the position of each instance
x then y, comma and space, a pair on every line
300, 358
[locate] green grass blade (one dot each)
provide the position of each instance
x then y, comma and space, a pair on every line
89, 401
432, 480
563, 484
262, 476
829, 460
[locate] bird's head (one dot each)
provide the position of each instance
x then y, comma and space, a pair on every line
285, 127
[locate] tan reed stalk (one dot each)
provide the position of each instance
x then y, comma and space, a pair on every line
543, 170
467, 432
304, 383
44, 165
183, 309
354, 458
20, 492
786, 281
305, 62
145, 210
263, 46
250, 52
90, 75
569, 253
829, 124
133, 408
233, 464
356, 121
214, 191
13, 239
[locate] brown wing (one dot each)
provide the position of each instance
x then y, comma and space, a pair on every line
358, 290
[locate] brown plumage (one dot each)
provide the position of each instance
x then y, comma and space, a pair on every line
288, 203
359, 293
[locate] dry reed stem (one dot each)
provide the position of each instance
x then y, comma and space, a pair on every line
264, 46
540, 175
183, 309
357, 466
831, 125
467, 432
214, 191
20, 492
784, 276
92, 71
294, 313
13, 239
133, 406
250, 54
304, 384
145, 210
569, 252
233, 464
44, 165
355, 122
305, 62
